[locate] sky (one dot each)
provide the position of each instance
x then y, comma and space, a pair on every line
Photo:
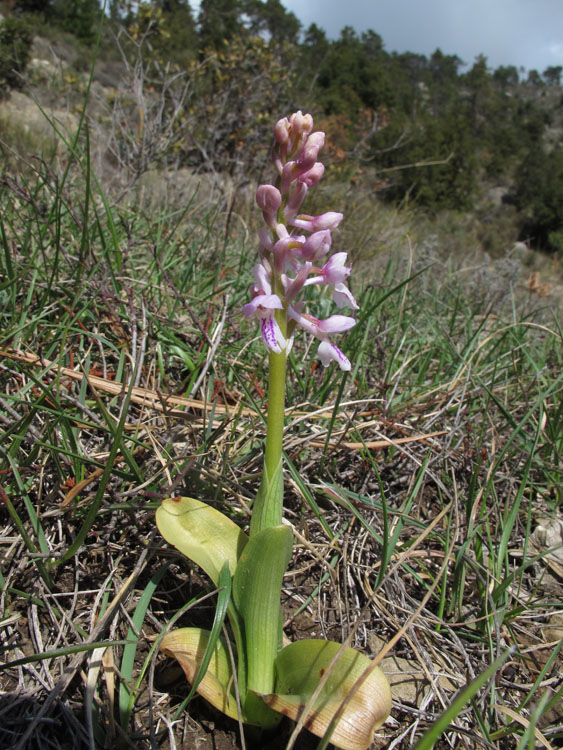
525, 33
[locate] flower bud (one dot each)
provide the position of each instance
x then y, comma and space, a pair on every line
313, 176
281, 131
269, 200
316, 245
329, 221
301, 124
296, 198
309, 152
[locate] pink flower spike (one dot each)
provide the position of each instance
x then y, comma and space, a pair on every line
343, 297
329, 221
328, 352
272, 336
336, 324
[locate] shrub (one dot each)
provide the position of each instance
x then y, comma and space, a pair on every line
15, 52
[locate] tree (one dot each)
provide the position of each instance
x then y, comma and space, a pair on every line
552, 75
442, 80
538, 194
179, 42
353, 75
15, 52
219, 22
78, 17
534, 79
270, 18
505, 76
448, 183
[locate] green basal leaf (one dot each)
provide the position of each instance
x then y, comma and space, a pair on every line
301, 665
201, 533
256, 592
189, 646
211, 540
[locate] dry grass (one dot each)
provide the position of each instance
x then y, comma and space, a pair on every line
424, 490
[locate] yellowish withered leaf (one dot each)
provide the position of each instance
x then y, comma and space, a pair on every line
301, 665
188, 646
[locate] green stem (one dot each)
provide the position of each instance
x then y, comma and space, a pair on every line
268, 506
276, 412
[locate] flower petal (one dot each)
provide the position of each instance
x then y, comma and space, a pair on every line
272, 336
328, 352
262, 276
262, 306
343, 297
336, 324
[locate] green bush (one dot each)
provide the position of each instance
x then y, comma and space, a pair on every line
15, 52
538, 195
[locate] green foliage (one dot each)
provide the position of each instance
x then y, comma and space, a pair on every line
506, 76
552, 75
15, 52
353, 75
448, 181
179, 43
272, 18
534, 79
42, 7
219, 22
538, 194
238, 93
77, 17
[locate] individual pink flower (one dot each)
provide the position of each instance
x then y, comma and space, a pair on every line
333, 272
316, 246
295, 200
262, 306
296, 285
327, 351
308, 154
281, 132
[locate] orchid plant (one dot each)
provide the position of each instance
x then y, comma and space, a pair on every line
342, 692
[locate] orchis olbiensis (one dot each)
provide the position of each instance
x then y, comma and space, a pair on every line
274, 679
290, 260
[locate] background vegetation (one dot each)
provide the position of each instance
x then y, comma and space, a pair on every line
435, 131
